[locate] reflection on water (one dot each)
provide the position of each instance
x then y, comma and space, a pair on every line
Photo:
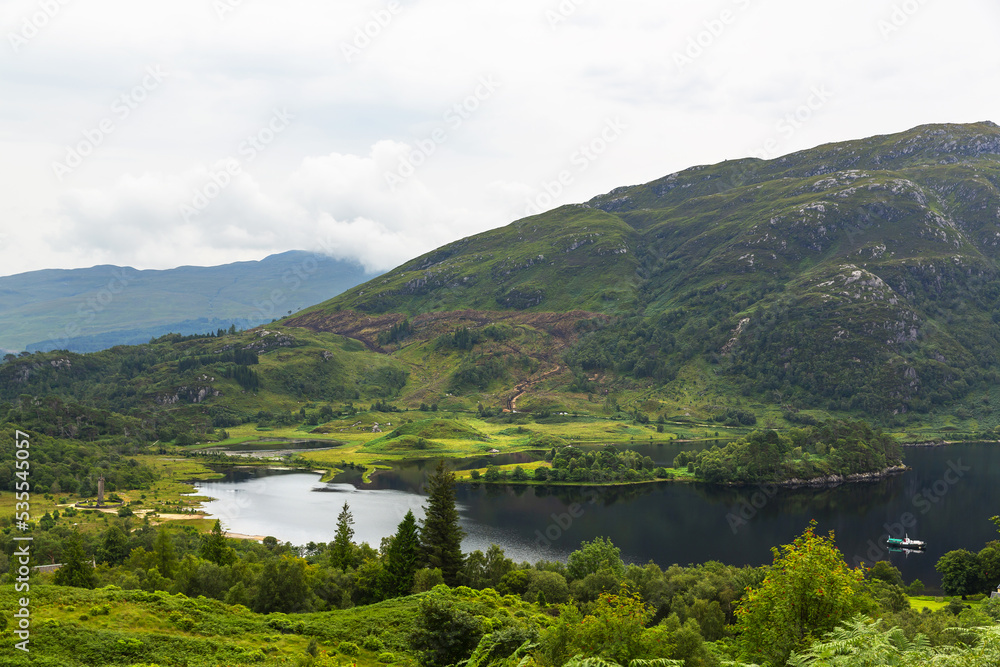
946, 499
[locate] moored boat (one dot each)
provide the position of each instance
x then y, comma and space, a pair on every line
906, 542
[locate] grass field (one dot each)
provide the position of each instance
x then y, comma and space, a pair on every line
933, 603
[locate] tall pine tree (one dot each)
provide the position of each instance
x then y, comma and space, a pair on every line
115, 548
402, 557
342, 549
77, 569
214, 547
165, 555
440, 534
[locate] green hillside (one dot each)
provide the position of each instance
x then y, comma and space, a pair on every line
852, 280
572, 258
856, 277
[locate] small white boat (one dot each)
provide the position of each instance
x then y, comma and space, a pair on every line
905, 543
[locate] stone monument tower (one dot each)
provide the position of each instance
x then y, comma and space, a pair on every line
100, 490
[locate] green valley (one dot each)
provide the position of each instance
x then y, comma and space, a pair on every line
746, 324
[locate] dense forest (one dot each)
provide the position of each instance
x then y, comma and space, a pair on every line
832, 448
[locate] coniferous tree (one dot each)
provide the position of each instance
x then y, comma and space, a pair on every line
115, 548
166, 559
77, 569
440, 534
341, 552
403, 557
214, 548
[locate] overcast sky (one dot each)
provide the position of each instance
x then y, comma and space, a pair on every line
157, 134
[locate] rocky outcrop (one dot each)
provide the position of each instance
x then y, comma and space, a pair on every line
187, 395
837, 480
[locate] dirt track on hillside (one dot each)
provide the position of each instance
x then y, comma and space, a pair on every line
366, 328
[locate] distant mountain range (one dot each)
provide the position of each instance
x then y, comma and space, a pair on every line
84, 310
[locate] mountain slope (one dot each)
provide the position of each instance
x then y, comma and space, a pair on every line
569, 259
858, 279
860, 276
95, 308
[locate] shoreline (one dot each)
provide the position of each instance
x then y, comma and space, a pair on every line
945, 443
794, 483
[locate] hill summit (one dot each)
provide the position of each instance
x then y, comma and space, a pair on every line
858, 276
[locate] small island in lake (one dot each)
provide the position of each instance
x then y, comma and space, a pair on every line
828, 453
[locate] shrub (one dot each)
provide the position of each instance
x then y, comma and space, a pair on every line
425, 579
444, 634
372, 643
348, 648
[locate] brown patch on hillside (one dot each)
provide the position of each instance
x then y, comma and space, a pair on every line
349, 323
366, 328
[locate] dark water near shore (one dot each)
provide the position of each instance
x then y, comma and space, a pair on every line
946, 499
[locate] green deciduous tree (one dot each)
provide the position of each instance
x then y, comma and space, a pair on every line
283, 586
615, 629
443, 634
885, 571
989, 565
808, 590
496, 566
591, 556
370, 582
960, 573
440, 534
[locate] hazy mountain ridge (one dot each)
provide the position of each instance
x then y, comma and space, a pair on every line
97, 307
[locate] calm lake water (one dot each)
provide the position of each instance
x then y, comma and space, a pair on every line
946, 499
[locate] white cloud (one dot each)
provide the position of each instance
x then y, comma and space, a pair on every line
338, 204
324, 177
